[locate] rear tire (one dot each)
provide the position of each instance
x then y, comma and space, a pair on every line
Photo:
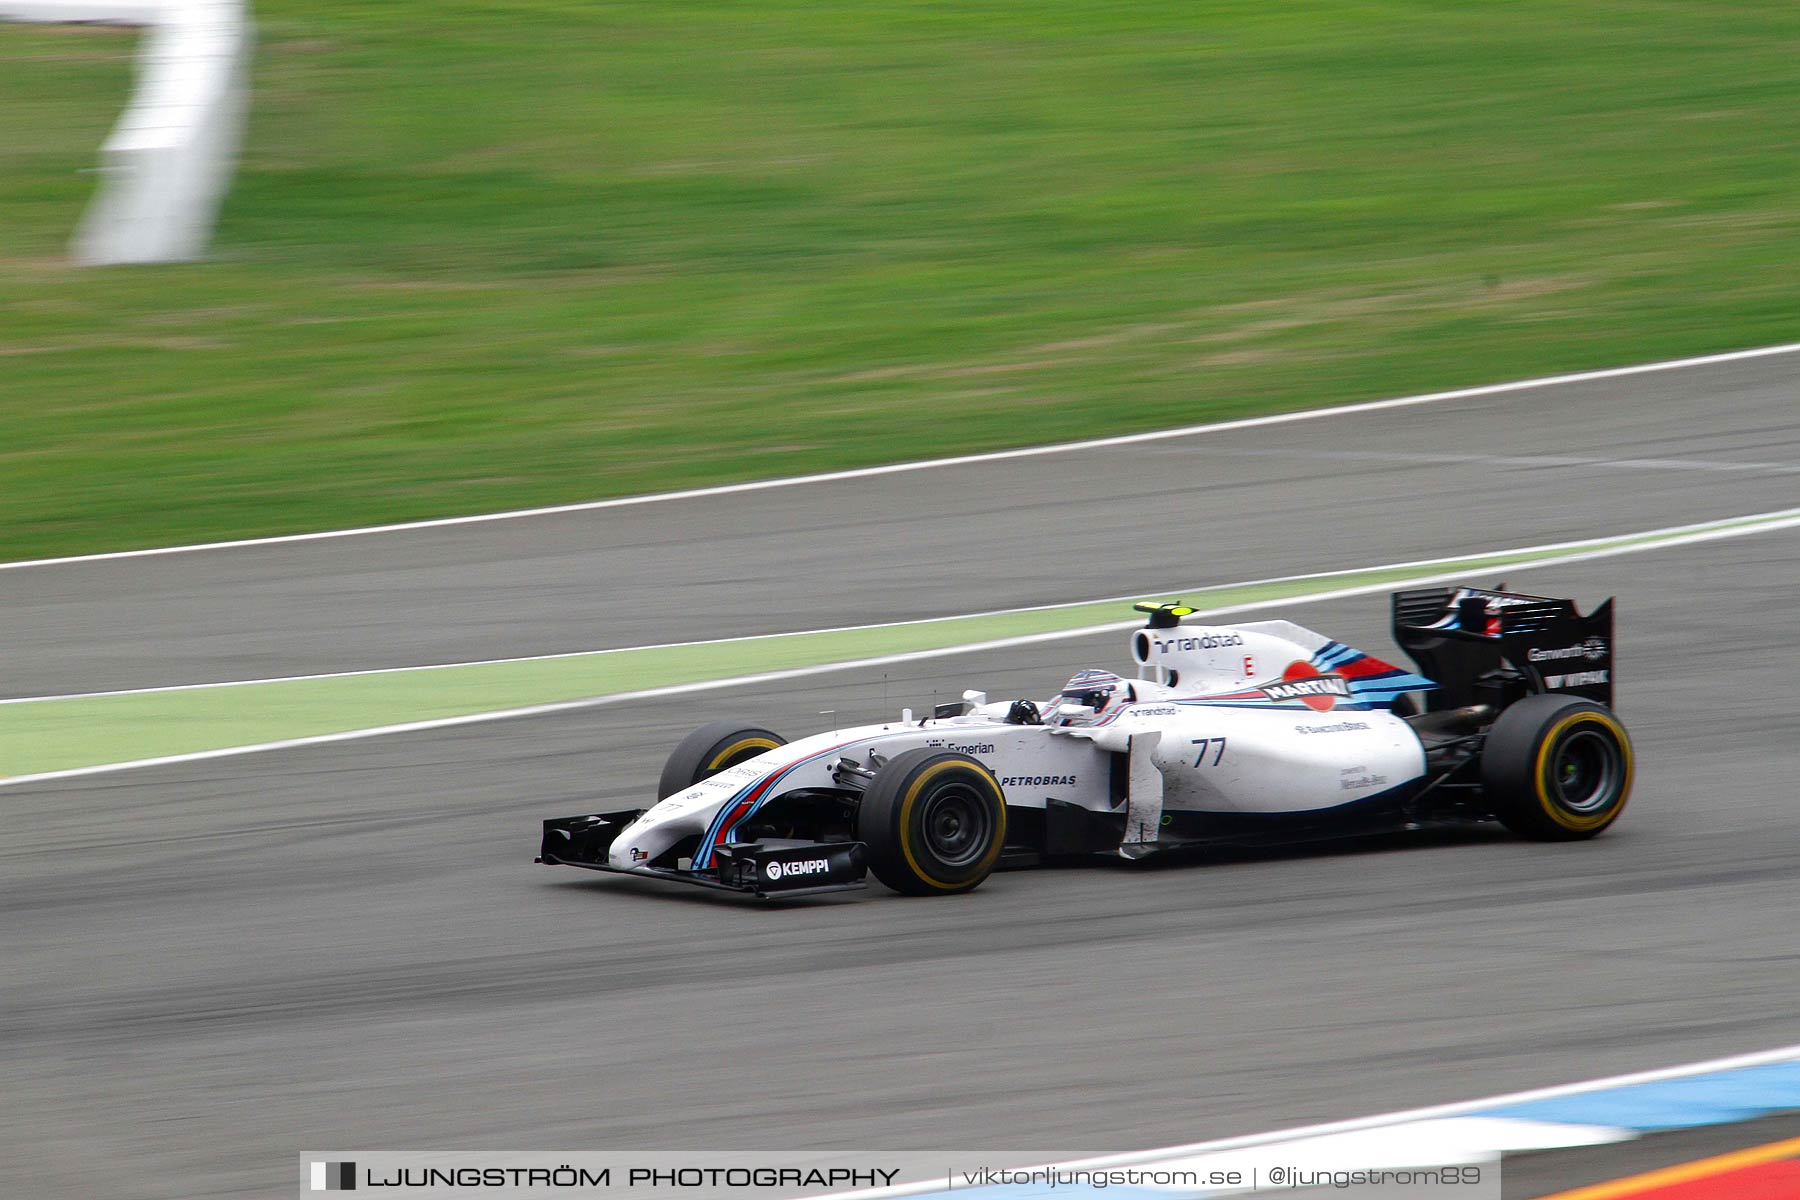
1557, 769
711, 749
934, 822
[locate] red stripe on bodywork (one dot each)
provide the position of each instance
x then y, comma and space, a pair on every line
742, 808
1358, 667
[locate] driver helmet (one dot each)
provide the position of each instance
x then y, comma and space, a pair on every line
1093, 689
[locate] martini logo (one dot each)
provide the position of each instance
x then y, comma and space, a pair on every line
332, 1176
1302, 681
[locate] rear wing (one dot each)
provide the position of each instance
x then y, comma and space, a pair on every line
1491, 646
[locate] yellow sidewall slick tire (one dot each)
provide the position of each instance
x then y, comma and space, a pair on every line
1557, 769
934, 822
711, 749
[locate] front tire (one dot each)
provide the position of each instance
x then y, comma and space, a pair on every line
709, 750
934, 822
1556, 769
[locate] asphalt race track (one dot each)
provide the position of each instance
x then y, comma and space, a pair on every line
213, 966
1521, 468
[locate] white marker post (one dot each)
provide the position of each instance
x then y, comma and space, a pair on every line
167, 164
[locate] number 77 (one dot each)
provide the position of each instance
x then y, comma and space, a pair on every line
1206, 744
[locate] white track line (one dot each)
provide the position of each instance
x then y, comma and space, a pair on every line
1527, 461
1132, 439
1677, 535
1405, 1117
708, 685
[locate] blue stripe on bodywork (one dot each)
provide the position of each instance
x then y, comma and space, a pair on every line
1290, 707
1333, 653
715, 832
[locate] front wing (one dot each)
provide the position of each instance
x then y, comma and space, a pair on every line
768, 868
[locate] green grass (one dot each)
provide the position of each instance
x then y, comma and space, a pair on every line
64, 734
482, 255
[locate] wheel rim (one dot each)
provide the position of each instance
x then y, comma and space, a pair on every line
1585, 771
957, 825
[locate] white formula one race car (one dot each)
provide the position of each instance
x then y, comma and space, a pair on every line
1233, 734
